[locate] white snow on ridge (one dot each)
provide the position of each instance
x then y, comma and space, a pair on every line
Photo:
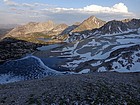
121, 32
135, 66
71, 48
48, 47
122, 46
139, 30
96, 64
127, 41
120, 29
102, 69
100, 55
84, 57
84, 71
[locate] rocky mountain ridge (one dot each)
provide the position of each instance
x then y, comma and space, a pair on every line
50, 30
32, 27
111, 27
89, 24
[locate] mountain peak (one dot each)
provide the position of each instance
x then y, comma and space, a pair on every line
89, 24
133, 23
93, 17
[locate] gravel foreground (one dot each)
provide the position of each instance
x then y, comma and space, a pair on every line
108, 88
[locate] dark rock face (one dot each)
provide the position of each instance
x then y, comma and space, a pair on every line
113, 27
69, 29
133, 24
12, 48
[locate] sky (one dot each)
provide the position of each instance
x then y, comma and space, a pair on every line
66, 11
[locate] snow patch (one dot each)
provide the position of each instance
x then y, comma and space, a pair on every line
84, 71
102, 69
127, 41
96, 64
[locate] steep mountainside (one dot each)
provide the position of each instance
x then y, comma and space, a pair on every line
32, 27
113, 27
114, 46
57, 30
89, 24
133, 24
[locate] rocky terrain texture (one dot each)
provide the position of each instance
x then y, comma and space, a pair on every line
33, 32
12, 48
32, 27
107, 88
113, 27
57, 30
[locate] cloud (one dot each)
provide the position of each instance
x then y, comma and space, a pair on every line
27, 5
26, 12
120, 8
10, 3
117, 8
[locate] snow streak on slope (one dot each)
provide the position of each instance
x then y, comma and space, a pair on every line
94, 51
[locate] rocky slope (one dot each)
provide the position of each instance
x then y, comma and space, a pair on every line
134, 24
11, 48
114, 46
33, 32
38, 32
89, 24
113, 27
32, 27
57, 30
86, 89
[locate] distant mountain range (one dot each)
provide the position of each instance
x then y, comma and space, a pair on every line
92, 46
33, 32
5, 28
50, 28
8, 26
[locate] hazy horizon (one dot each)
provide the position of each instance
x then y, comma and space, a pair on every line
62, 11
